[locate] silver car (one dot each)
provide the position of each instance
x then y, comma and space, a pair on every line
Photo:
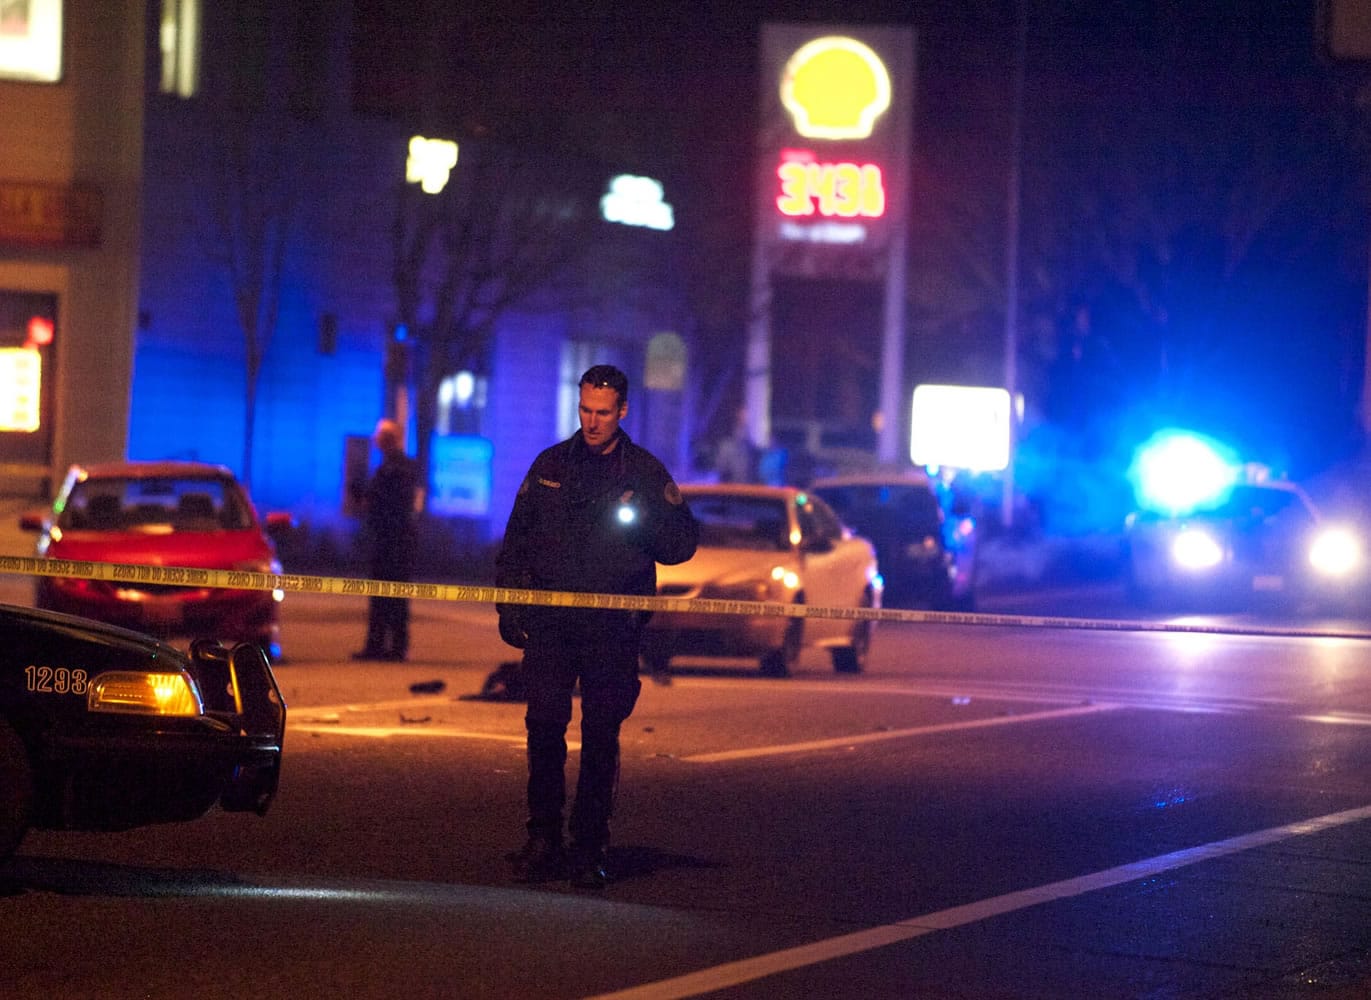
774, 544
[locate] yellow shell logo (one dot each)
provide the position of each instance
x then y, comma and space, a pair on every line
835, 88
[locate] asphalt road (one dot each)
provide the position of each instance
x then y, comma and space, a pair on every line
987, 812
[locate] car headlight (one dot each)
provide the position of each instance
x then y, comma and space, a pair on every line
787, 578
1335, 552
780, 578
139, 693
1196, 549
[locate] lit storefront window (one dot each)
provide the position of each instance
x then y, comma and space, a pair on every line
31, 40
461, 403
179, 40
28, 329
21, 383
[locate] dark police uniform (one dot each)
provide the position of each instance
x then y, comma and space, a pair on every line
593, 523
391, 539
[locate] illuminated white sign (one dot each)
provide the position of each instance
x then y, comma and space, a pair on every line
637, 201
31, 40
430, 163
962, 427
21, 377
839, 233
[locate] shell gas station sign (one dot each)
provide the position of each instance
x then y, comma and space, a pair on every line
835, 87
831, 204
833, 157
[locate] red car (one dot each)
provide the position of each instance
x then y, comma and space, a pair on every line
162, 514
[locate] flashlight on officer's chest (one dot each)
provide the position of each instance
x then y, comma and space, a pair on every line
626, 512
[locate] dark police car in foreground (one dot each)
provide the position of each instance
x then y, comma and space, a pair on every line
106, 729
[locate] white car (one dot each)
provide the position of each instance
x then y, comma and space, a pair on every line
766, 543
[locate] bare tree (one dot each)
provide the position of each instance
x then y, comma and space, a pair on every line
253, 198
503, 232
252, 159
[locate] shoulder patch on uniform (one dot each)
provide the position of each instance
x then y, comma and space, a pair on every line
673, 493
549, 483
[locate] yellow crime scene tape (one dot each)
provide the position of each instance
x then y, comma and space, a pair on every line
185, 576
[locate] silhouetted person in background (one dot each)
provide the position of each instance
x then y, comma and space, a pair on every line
390, 498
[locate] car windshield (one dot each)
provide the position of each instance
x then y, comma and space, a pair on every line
1260, 504
741, 522
867, 507
160, 505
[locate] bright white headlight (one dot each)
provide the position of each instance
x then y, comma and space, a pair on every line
1335, 552
787, 578
1196, 549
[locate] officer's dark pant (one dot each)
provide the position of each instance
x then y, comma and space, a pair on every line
608, 672
388, 617
388, 625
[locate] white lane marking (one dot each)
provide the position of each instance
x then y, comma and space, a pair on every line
1339, 718
1037, 693
839, 742
412, 729
751, 969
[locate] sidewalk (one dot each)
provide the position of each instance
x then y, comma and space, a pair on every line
13, 541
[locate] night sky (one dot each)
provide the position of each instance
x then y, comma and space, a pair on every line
1136, 114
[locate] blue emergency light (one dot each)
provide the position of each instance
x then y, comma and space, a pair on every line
1176, 472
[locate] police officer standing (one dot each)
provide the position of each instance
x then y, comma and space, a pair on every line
389, 498
594, 514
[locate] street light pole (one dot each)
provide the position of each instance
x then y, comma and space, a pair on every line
1011, 280
428, 166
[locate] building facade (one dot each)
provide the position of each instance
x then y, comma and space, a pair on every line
240, 304
71, 128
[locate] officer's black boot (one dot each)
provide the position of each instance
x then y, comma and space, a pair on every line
541, 859
587, 866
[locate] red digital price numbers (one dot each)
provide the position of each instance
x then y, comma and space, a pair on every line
832, 190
